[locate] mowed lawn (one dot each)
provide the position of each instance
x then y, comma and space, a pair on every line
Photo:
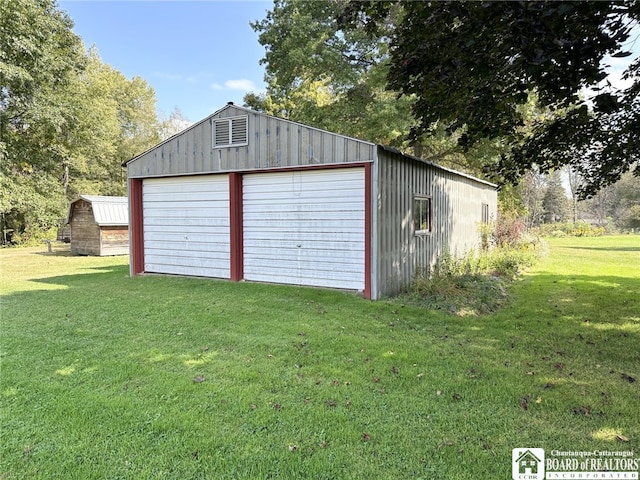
110, 377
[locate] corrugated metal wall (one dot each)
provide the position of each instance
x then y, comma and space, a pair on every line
272, 143
457, 213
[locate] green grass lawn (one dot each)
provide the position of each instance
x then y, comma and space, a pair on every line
107, 376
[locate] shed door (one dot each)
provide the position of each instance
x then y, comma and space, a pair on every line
186, 225
305, 228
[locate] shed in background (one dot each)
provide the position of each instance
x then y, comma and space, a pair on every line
99, 225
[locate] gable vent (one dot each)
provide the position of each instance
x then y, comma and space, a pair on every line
229, 132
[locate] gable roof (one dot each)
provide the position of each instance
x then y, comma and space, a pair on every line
237, 109
272, 142
107, 211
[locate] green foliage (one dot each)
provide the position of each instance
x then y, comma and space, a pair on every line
631, 217
321, 74
472, 66
570, 229
331, 79
67, 121
474, 284
555, 201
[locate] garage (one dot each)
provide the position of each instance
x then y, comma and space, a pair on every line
246, 196
186, 225
305, 228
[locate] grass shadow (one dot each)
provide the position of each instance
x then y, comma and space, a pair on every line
607, 249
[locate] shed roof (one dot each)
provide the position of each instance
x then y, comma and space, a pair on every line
107, 211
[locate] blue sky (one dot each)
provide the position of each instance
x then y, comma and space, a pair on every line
197, 55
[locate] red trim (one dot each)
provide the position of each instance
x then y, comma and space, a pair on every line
367, 231
236, 231
136, 226
298, 168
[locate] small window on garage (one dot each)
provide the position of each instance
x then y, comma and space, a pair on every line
422, 214
485, 213
230, 132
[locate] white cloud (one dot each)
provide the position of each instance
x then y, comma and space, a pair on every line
241, 84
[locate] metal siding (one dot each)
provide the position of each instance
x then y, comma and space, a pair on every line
107, 211
272, 143
305, 228
456, 204
186, 225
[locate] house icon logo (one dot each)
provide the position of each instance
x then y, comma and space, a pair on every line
527, 464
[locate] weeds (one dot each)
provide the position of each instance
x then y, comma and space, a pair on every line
570, 229
474, 284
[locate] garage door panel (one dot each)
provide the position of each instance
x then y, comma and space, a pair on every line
175, 185
256, 238
331, 279
182, 240
298, 182
184, 230
309, 195
188, 270
185, 197
179, 205
187, 261
272, 215
290, 246
271, 263
178, 217
285, 205
305, 228
217, 256
186, 225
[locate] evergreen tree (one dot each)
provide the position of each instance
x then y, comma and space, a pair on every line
555, 201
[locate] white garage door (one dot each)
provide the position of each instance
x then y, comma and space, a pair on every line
186, 225
305, 228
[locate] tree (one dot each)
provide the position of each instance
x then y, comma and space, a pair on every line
555, 202
331, 79
321, 74
471, 65
575, 180
115, 120
627, 201
39, 59
174, 123
67, 121
532, 191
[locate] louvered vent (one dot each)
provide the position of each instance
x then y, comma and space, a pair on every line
230, 132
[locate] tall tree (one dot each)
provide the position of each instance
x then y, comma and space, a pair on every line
324, 75
39, 59
532, 191
67, 121
332, 79
555, 201
471, 65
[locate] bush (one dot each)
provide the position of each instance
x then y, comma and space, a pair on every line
569, 229
509, 230
474, 284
